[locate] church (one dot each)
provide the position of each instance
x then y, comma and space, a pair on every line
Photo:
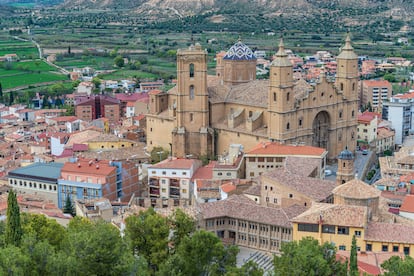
203, 114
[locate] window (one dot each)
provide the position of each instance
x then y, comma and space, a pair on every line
290, 195
163, 190
287, 126
191, 70
274, 97
191, 92
250, 114
252, 174
184, 191
228, 174
164, 172
395, 248
342, 247
353, 114
368, 247
341, 87
358, 234
267, 199
343, 230
287, 96
300, 122
191, 117
308, 227
340, 114
353, 87
406, 250
275, 200
384, 248
328, 229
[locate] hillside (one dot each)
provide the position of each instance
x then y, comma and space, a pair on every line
182, 8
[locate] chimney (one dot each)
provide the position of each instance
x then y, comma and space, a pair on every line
79, 165
97, 167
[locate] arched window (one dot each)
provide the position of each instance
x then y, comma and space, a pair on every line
191, 92
353, 113
191, 70
274, 97
287, 126
287, 96
342, 86
344, 164
191, 117
353, 86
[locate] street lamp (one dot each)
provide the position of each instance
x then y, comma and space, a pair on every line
160, 153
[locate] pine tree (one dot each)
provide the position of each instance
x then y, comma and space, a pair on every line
68, 209
353, 261
1, 93
14, 232
11, 99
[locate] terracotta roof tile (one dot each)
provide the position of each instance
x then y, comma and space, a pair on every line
274, 148
179, 163
376, 83
408, 204
356, 189
241, 207
389, 232
333, 214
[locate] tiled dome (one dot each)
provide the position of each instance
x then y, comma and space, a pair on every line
239, 51
346, 155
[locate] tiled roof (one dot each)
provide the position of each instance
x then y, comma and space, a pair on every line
80, 147
83, 137
409, 95
241, 207
368, 116
408, 204
315, 188
376, 83
356, 189
274, 148
130, 97
253, 190
205, 172
228, 187
389, 232
333, 214
155, 92
65, 119
301, 165
89, 166
178, 163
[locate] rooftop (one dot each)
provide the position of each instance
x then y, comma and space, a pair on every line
333, 214
408, 204
241, 207
274, 148
389, 232
49, 170
356, 189
239, 51
179, 163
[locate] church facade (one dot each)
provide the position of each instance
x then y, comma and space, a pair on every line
204, 114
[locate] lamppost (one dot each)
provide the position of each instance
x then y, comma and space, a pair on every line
160, 153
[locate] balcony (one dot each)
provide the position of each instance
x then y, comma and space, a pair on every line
174, 183
154, 192
154, 182
174, 193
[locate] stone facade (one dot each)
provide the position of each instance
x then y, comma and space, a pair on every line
203, 114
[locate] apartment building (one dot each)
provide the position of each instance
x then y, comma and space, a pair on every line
171, 179
375, 92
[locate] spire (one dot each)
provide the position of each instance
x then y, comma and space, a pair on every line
281, 58
281, 52
347, 52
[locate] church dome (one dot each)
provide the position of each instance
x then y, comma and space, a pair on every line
239, 51
346, 155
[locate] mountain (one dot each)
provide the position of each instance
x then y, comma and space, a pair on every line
182, 8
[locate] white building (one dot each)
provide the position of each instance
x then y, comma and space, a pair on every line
171, 179
400, 111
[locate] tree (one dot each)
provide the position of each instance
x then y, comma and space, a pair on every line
11, 98
395, 266
249, 268
353, 261
14, 262
1, 93
97, 249
307, 257
183, 226
13, 234
203, 253
158, 154
119, 61
68, 208
148, 233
